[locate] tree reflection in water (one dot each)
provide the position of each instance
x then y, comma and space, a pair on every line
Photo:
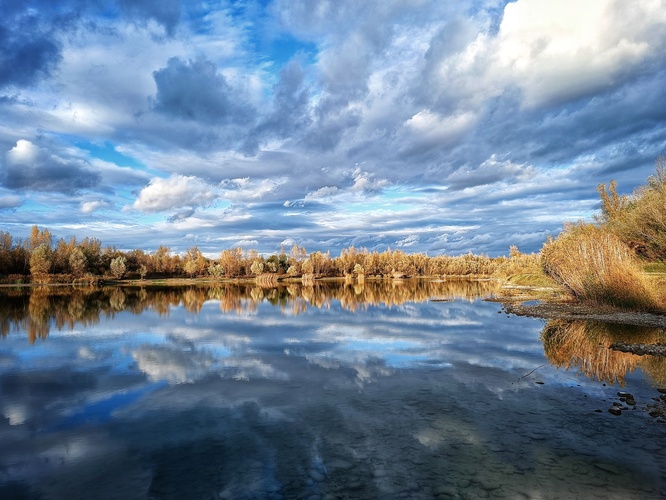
38, 309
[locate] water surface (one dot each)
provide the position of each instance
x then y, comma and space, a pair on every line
408, 389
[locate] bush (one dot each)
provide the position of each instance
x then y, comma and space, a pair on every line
596, 266
640, 219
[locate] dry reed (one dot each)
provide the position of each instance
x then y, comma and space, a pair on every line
595, 266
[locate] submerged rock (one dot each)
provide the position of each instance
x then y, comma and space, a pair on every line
640, 349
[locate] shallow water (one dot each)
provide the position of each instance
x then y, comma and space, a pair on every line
383, 390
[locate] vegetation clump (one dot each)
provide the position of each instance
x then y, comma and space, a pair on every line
594, 265
603, 263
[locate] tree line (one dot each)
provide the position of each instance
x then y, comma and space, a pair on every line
39, 259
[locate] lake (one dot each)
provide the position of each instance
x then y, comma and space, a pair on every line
391, 389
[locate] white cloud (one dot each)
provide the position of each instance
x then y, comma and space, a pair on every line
366, 182
565, 49
247, 189
173, 365
88, 207
409, 241
175, 192
25, 152
429, 128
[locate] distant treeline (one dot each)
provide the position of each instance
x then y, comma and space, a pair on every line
41, 260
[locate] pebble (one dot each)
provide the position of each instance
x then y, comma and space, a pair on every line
489, 484
615, 411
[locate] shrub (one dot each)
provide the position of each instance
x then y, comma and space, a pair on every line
640, 219
595, 266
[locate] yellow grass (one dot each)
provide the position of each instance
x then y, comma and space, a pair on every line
595, 266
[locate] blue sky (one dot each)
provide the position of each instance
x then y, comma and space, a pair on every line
428, 126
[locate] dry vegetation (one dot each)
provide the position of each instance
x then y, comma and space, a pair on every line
594, 265
604, 263
38, 260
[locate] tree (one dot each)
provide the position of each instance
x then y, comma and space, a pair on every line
215, 270
40, 260
38, 238
257, 267
612, 203
231, 261
92, 249
195, 262
77, 262
118, 267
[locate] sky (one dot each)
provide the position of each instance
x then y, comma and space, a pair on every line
418, 125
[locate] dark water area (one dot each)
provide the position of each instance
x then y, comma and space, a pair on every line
396, 389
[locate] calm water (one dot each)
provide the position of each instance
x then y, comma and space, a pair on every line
391, 390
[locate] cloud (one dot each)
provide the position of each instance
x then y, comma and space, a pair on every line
322, 193
489, 172
173, 365
246, 189
175, 192
313, 121
290, 114
165, 12
195, 90
28, 166
88, 207
30, 50
409, 241
10, 201
560, 52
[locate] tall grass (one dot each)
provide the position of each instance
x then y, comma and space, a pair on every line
596, 266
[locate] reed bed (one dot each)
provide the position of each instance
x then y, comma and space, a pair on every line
596, 266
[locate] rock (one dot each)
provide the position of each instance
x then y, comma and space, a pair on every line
445, 490
625, 395
489, 484
614, 410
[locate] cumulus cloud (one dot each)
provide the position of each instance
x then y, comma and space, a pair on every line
175, 192
564, 50
366, 181
28, 166
195, 90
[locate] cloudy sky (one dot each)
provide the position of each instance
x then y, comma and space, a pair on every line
423, 125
